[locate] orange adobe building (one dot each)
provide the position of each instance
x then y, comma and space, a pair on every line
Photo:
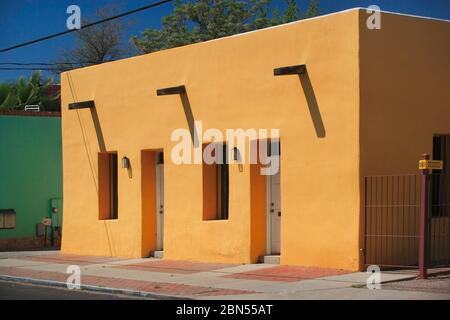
355, 102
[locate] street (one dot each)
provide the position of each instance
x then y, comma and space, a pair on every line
175, 279
20, 291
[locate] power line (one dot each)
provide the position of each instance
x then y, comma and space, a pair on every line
37, 63
44, 69
86, 26
45, 66
51, 63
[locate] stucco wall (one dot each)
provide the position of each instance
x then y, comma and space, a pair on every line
30, 174
405, 97
230, 84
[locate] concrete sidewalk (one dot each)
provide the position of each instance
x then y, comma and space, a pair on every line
168, 279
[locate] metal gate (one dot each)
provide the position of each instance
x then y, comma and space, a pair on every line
392, 207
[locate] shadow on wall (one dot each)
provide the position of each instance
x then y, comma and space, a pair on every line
313, 107
101, 144
190, 119
98, 130
130, 170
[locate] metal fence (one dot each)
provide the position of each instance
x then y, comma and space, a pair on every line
392, 206
392, 220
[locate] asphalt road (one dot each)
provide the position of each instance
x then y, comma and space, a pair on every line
23, 291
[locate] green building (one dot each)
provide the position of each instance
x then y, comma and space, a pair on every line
30, 180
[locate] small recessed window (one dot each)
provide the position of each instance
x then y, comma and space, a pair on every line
107, 185
215, 183
160, 158
440, 190
274, 147
7, 218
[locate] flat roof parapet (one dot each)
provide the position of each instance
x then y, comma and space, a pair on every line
30, 113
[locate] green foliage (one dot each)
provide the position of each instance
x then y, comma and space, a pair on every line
7, 97
313, 9
291, 12
203, 20
35, 90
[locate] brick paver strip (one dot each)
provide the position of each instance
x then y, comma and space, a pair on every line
286, 273
68, 259
175, 266
116, 283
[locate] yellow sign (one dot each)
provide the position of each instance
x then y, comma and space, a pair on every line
431, 164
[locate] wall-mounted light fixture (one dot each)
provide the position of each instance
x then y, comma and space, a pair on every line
125, 163
235, 154
237, 157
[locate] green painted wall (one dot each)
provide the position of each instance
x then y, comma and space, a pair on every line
30, 170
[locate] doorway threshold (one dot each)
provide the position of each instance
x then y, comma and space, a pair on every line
158, 254
272, 259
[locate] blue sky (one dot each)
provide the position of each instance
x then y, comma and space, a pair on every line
24, 20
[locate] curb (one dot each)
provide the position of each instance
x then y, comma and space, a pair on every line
400, 280
438, 273
91, 288
362, 285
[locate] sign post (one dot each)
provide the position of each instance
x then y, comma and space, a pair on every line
425, 166
46, 222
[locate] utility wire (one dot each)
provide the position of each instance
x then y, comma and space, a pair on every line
45, 69
50, 63
45, 66
85, 26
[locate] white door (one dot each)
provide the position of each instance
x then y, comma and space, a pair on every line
274, 214
159, 206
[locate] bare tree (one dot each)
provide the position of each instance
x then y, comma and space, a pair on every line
96, 44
